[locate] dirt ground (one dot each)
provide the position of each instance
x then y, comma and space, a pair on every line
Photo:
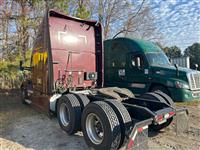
22, 127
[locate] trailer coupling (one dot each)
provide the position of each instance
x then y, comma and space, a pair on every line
138, 138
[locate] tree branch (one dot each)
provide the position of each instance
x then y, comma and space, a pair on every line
126, 30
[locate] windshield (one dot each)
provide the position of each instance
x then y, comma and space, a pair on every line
157, 59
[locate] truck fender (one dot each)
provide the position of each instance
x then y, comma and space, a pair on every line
53, 101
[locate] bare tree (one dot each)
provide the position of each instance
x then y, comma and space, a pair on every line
6, 11
118, 17
110, 13
144, 25
124, 17
27, 17
130, 24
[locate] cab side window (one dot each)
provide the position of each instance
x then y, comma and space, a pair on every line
137, 61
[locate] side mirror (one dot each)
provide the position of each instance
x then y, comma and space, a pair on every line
21, 68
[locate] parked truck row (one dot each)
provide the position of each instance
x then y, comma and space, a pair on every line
67, 80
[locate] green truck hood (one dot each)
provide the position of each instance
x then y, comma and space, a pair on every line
170, 71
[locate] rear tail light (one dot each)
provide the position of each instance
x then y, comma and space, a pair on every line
171, 113
159, 118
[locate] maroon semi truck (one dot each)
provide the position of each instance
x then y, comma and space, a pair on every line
67, 80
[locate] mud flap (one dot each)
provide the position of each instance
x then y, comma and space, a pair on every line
181, 121
138, 138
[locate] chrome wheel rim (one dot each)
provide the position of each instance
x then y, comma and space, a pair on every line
64, 114
94, 128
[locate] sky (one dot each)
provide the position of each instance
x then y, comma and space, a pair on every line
177, 20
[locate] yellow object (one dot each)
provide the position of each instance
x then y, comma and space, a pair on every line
38, 57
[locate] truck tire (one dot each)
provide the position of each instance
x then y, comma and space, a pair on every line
154, 96
83, 100
123, 116
167, 98
69, 113
157, 97
160, 88
100, 126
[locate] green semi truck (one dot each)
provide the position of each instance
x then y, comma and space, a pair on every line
142, 66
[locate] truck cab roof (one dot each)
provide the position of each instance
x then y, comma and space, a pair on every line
131, 45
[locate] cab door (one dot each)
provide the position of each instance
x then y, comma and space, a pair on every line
136, 77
